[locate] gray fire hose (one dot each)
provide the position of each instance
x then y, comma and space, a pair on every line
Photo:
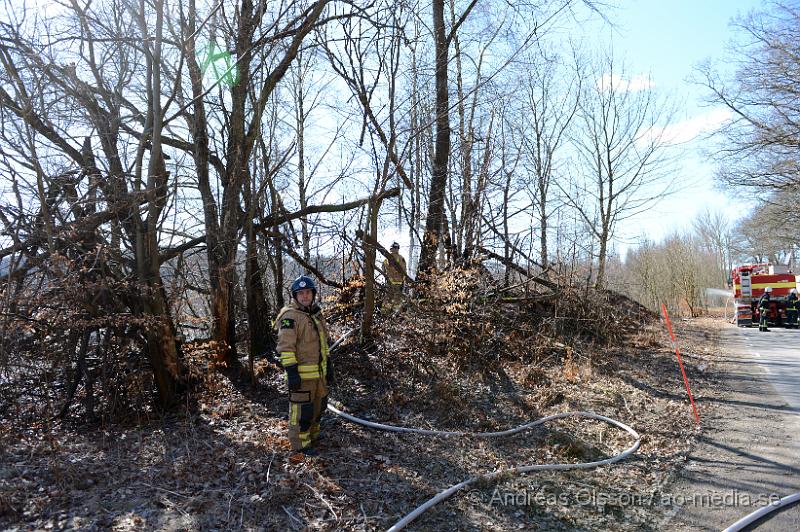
494, 474
761, 512
735, 527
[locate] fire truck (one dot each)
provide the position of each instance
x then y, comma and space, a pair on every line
749, 282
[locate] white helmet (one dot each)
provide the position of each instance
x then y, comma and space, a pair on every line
768, 289
793, 291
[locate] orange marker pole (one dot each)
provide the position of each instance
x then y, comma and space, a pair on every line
680, 362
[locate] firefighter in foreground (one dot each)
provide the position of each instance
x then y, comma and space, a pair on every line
395, 276
792, 309
763, 309
303, 348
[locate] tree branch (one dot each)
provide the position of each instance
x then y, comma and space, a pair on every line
280, 218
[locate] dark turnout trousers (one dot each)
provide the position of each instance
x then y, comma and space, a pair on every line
762, 322
791, 318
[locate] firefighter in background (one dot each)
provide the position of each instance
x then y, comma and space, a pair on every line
303, 348
763, 309
395, 276
792, 309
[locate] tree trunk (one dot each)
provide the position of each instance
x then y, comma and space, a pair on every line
543, 225
300, 118
435, 220
600, 280
161, 347
236, 174
369, 269
258, 312
416, 169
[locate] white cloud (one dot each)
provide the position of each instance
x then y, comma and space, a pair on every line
691, 128
636, 83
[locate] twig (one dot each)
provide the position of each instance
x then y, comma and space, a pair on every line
174, 506
625, 402
293, 518
320, 497
167, 491
269, 467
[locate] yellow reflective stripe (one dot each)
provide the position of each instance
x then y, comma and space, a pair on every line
323, 346
309, 372
323, 342
396, 282
288, 359
305, 439
295, 414
782, 284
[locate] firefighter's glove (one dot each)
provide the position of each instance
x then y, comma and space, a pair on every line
329, 376
293, 378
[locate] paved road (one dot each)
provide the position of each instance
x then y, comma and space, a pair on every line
750, 448
778, 352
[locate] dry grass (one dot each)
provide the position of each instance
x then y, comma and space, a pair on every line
222, 462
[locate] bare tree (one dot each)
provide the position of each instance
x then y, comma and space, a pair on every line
760, 143
621, 145
515, 22
368, 60
133, 186
764, 236
420, 137
435, 220
552, 99
713, 229
223, 219
674, 272
477, 117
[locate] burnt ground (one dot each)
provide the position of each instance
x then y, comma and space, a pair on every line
221, 462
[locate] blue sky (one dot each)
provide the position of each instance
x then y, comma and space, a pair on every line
666, 40
669, 37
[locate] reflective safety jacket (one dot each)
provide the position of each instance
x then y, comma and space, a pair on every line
395, 276
763, 301
303, 340
792, 302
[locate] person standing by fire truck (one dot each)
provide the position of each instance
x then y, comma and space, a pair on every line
792, 309
763, 309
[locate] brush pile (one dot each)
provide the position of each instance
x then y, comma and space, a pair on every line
467, 317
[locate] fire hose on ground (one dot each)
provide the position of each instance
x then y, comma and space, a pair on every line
444, 494
762, 512
495, 474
